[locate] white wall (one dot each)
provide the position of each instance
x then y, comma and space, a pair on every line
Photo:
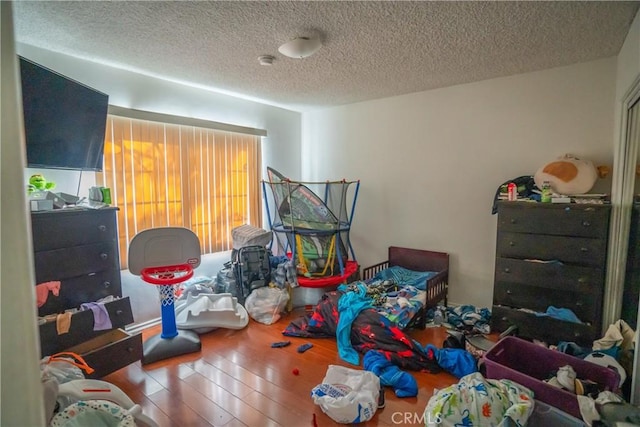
22, 400
430, 162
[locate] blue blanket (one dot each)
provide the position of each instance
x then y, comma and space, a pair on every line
403, 276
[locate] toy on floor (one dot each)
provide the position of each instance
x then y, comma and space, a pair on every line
313, 229
70, 400
203, 312
166, 257
98, 402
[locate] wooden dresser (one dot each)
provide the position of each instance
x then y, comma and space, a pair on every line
550, 255
79, 248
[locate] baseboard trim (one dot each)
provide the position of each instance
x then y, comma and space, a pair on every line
139, 327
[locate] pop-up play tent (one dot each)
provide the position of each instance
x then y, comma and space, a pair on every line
314, 231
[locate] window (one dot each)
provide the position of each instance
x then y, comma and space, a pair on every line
165, 174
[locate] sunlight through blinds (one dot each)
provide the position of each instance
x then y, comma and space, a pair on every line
164, 175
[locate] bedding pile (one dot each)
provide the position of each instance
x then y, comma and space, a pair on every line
370, 330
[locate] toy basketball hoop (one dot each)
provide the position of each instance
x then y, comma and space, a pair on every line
165, 257
167, 275
166, 278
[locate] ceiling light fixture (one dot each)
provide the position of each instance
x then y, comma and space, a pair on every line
266, 59
300, 47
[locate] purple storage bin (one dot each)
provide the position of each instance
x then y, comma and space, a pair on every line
529, 364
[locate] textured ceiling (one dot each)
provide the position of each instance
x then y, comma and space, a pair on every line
371, 49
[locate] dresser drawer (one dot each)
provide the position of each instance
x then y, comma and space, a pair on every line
562, 220
585, 305
545, 329
60, 229
548, 275
75, 261
81, 328
572, 250
78, 290
110, 351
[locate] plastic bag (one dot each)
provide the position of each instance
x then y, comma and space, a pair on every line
63, 367
347, 395
265, 304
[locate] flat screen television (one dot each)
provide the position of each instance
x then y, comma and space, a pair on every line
64, 120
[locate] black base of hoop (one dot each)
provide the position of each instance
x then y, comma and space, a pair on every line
157, 348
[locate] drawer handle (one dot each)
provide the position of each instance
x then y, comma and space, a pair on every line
512, 243
106, 284
118, 312
582, 280
504, 319
583, 249
579, 304
104, 256
102, 227
514, 221
507, 270
130, 349
509, 291
586, 223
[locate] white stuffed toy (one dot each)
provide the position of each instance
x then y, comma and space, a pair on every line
568, 175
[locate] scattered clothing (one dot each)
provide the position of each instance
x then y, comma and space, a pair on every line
101, 319
43, 289
618, 342
304, 347
561, 314
284, 272
573, 349
588, 408
567, 378
63, 322
369, 331
476, 401
618, 334
456, 361
469, 318
350, 304
403, 383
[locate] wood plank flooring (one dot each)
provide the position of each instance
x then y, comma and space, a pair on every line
239, 380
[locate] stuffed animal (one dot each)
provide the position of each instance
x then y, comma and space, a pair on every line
37, 182
568, 174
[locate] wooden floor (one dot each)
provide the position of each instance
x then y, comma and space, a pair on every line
239, 380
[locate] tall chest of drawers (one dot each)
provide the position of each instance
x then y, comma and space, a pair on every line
550, 255
79, 248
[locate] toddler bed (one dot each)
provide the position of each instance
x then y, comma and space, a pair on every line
381, 327
434, 267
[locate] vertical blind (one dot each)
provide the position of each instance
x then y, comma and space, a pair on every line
163, 174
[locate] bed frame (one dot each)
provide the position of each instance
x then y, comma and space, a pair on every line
418, 260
